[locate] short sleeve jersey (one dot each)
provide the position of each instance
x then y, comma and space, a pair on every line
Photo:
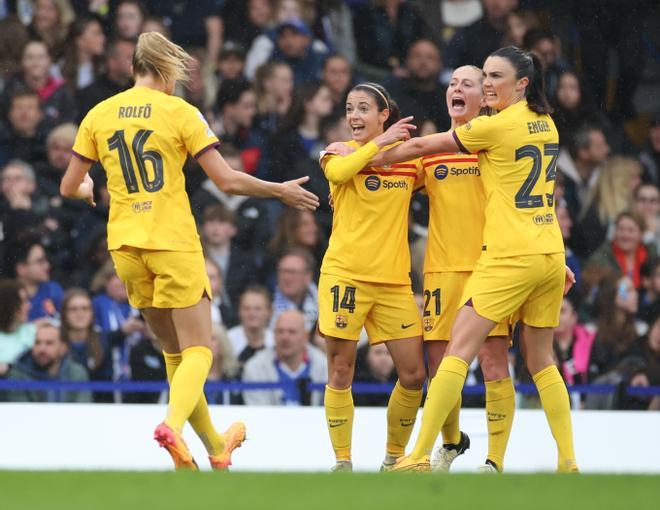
369, 240
517, 151
142, 138
457, 212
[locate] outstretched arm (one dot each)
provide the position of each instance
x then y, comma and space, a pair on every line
416, 147
239, 183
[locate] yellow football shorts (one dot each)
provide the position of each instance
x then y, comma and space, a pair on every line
442, 300
388, 312
528, 288
162, 279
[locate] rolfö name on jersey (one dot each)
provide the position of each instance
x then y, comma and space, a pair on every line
538, 126
135, 112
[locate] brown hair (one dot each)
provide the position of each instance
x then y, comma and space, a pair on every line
10, 297
218, 212
93, 338
285, 234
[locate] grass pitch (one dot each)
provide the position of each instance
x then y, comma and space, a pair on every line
320, 491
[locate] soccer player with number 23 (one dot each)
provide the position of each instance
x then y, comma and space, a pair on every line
142, 138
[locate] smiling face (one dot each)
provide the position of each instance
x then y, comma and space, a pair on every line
501, 87
465, 94
364, 119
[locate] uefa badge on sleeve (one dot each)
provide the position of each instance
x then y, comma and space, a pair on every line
341, 322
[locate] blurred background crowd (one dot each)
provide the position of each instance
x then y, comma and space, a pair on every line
271, 77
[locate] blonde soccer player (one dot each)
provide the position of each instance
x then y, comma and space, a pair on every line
365, 279
456, 222
142, 138
521, 271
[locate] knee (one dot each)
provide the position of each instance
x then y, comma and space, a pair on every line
494, 362
537, 361
340, 375
413, 379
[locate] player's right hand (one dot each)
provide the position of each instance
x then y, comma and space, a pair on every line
86, 190
398, 131
294, 195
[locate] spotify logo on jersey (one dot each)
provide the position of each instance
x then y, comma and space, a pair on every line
440, 172
372, 183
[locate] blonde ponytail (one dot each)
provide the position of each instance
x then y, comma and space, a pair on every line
156, 55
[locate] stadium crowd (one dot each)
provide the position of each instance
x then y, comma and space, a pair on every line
271, 78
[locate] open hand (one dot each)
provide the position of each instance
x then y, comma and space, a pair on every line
294, 195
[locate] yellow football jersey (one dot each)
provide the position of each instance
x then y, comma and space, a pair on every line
369, 240
517, 152
457, 212
142, 138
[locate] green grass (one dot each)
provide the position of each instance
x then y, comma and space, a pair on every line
320, 491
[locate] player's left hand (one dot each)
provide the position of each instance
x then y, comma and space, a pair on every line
294, 195
339, 149
570, 280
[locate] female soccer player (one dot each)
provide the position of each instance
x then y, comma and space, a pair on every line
456, 223
365, 272
142, 138
521, 270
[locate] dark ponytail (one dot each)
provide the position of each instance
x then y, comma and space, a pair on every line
527, 65
383, 100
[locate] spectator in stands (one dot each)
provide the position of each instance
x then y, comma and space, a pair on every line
58, 153
274, 88
235, 109
32, 269
573, 108
79, 331
612, 195
146, 363
384, 32
263, 46
24, 137
129, 17
419, 92
650, 349
115, 79
244, 21
57, 102
237, 268
297, 228
231, 62
489, 31
48, 360
295, 288
519, 23
623, 256
84, 48
337, 75
50, 23
650, 156
292, 362
294, 46
252, 334
335, 24
225, 366
16, 333
544, 45
647, 205
374, 365
221, 311
566, 225
13, 37
649, 296
580, 355
580, 163
156, 24
19, 211
299, 137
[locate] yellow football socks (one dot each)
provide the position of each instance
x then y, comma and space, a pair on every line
339, 411
451, 432
444, 392
556, 404
500, 407
200, 419
401, 414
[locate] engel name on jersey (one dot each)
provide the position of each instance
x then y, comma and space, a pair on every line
369, 240
142, 138
457, 212
517, 151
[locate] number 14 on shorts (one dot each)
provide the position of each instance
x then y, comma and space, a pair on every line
347, 301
